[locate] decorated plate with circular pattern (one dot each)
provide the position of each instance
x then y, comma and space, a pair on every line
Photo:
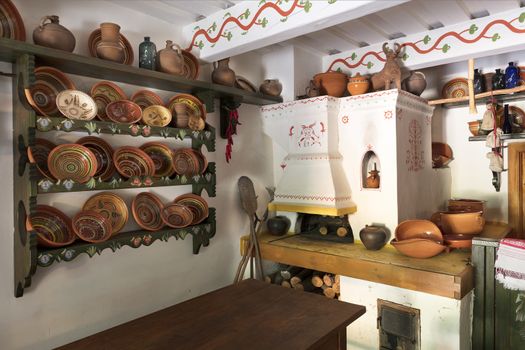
176, 215
11, 24
162, 157
186, 162
517, 116
455, 88
112, 207
195, 106
91, 226
53, 227
104, 154
156, 115
73, 162
104, 93
77, 105
196, 204
124, 111
190, 66
132, 161
145, 98
146, 209
42, 95
203, 162
38, 155
96, 37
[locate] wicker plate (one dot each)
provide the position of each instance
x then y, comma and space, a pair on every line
53, 228
91, 226
162, 157
96, 37
457, 87
11, 24
196, 204
176, 215
104, 93
38, 155
112, 207
195, 106
146, 209
146, 98
76, 105
132, 161
104, 154
73, 162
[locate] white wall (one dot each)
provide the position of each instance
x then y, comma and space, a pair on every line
71, 300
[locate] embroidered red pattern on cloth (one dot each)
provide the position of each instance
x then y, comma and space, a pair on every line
510, 263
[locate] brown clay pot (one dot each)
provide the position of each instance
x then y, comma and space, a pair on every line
271, 87
170, 60
110, 32
358, 85
312, 90
462, 223
222, 74
416, 83
373, 237
109, 47
331, 83
53, 35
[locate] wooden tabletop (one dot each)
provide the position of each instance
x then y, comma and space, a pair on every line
249, 315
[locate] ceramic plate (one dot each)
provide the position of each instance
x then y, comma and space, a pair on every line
245, 84
77, 105
112, 207
146, 209
96, 37
186, 162
156, 115
196, 204
38, 155
104, 154
132, 161
11, 24
42, 95
104, 93
191, 66
162, 157
146, 98
91, 226
203, 162
176, 215
73, 162
124, 111
455, 88
53, 228
195, 106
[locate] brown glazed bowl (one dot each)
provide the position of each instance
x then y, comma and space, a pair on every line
410, 229
474, 127
420, 248
441, 154
466, 205
462, 223
331, 83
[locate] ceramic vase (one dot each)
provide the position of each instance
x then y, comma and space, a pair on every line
109, 47
479, 83
222, 73
358, 85
271, 87
498, 80
331, 83
278, 225
512, 76
373, 180
54, 35
170, 60
373, 237
507, 125
147, 54
416, 83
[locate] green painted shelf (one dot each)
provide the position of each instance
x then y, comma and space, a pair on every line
502, 137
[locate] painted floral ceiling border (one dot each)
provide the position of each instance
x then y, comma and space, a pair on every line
421, 47
214, 33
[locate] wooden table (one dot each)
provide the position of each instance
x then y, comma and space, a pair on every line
250, 315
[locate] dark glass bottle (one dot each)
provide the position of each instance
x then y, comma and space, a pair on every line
507, 125
498, 80
147, 54
479, 84
511, 76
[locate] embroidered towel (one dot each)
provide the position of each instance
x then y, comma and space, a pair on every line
510, 263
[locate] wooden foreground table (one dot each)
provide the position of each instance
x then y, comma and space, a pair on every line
246, 316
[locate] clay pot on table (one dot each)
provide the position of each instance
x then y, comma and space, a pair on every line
54, 35
109, 47
170, 60
373, 237
312, 90
222, 73
271, 87
278, 225
358, 85
416, 83
462, 223
331, 83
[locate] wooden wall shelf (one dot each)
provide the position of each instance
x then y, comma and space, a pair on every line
502, 137
504, 95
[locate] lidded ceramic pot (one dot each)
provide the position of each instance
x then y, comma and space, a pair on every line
358, 85
170, 60
54, 35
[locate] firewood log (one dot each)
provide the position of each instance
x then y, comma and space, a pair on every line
317, 279
286, 284
328, 279
337, 287
290, 271
328, 292
301, 276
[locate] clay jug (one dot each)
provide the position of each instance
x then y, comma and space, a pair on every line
416, 83
373, 237
271, 87
54, 35
109, 47
373, 181
222, 73
312, 90
170, 60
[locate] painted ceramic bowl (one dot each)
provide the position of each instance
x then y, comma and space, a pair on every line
77, 105
91, 226
196, 204
132, 161
104, 154
466, 205
11, 24
156, 115
42, 95
421, 248
38, 155
104, 93
96, 37
53, 227
458, 241
441, 154
203, 162
455, 88
358, 85
124, 111
112, 207
73, 162
162, 157
194, 105
176, 215
331, 83
462, 223
146, 98
190, 69
146, 209
409, 229
474, 127
186, 162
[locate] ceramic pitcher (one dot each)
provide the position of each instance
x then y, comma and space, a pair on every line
222, 73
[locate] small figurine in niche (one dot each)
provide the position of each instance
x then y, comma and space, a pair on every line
373, 180
391, 72
489, 119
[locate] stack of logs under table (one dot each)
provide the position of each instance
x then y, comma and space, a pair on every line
306, 280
